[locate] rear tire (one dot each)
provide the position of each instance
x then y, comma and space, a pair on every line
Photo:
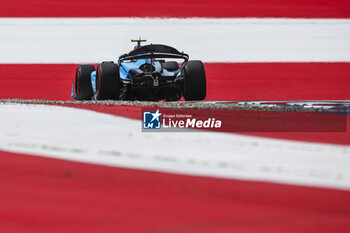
195, 86
83, 87
171, 66
107, 81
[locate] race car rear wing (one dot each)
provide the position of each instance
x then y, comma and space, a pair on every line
154, 51
126, 57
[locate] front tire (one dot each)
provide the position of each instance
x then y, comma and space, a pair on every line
83, 87
107, 81
195, 85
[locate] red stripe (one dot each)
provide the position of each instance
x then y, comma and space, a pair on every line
47, 195
36, 81
179, 8
226, 81
278, 81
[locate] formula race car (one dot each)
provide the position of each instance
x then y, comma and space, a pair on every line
148, 72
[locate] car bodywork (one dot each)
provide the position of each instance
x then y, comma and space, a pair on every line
143, 75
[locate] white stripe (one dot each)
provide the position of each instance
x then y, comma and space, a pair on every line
79, 40
87, 136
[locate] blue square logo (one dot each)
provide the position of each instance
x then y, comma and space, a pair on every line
151, 120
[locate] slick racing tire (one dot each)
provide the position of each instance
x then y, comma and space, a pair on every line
107, 81
171, 66
83, 86
195, 86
